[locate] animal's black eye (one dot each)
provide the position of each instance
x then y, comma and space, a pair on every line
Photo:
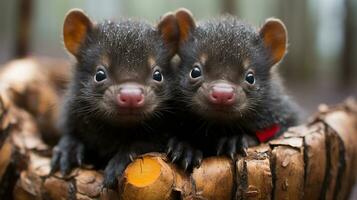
250, 78
100, 75
196, 72
157, 76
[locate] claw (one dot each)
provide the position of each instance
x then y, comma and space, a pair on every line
220, 146
170, 146
244, 152
184, 154
174, 158
185, 166
187, 160
132, 156
79, 156
55, 160
199, 158
198, 164
232, 155
232, 145
243, 146
169, 150
177, 153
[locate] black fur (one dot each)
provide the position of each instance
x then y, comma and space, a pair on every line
226, 42
96, 136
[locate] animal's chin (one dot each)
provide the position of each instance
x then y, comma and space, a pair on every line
128, 117
218, 112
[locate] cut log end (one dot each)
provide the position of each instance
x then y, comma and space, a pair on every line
143, 172
147, 174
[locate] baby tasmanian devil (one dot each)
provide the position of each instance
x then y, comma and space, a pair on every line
227, 87
118, 93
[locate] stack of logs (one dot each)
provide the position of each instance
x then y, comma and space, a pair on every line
316, 160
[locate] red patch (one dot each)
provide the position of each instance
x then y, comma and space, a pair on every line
268, 133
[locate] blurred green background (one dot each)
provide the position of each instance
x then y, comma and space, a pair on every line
320, 67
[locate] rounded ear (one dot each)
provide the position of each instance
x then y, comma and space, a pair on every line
75, 28
169, 30
274, 36
186, 23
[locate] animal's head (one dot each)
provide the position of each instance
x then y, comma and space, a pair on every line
122, 70
226, 68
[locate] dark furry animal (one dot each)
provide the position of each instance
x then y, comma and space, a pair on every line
117, 99
227, 87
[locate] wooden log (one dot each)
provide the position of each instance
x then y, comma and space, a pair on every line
254, 177
214, 179
308, 162
314, 157
316, 160
39, 91
341, 129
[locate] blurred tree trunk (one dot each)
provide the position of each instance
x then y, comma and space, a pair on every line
228, 6
23, 28
301, 27
346, 76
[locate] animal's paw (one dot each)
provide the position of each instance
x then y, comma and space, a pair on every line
67, 154
183, 154
110, 179
232, 145
115, 168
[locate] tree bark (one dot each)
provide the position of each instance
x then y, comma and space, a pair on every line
23, 28
316, 160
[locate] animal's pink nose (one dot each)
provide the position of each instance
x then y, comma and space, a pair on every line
130, 96
222, 94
